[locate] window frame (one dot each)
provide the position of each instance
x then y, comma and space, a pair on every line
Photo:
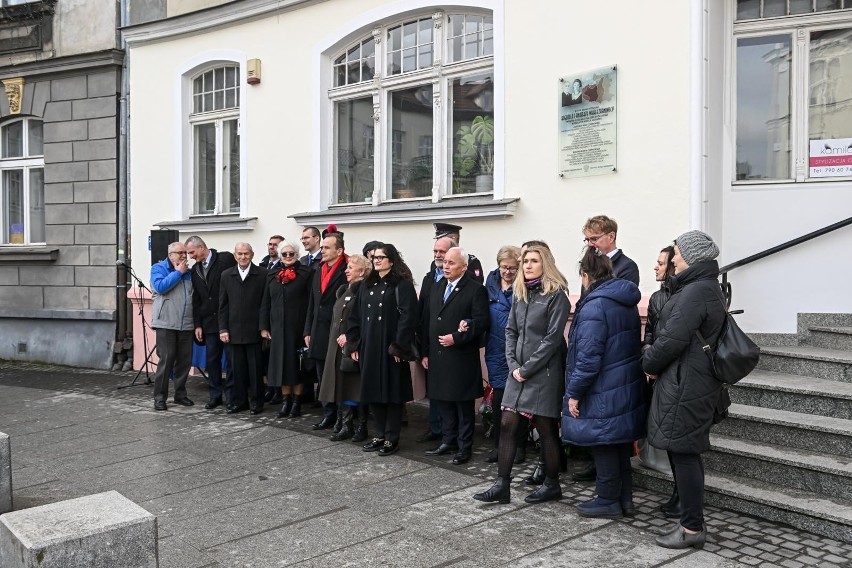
799, 27
26, 163
440, 75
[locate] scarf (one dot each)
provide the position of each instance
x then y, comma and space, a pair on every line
327, 272
286, 275
530, 284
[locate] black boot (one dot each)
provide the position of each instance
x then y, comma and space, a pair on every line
286, 407
550, 490
500, 492
537, 478
671, 509
346, 430
339, 424
361, 433
296, 410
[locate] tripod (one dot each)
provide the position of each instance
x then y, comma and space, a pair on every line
145, 328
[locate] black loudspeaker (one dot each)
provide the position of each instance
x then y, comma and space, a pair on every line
160, 241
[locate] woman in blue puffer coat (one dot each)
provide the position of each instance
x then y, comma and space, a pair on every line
605, 404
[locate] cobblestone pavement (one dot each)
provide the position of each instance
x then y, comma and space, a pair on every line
240, 490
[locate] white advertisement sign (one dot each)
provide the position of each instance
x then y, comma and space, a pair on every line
831, 158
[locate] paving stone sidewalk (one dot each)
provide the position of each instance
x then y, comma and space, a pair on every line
256, 491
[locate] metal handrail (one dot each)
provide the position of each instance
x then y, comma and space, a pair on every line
726, 286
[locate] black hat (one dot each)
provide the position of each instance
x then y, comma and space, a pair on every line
444, 229
331, 229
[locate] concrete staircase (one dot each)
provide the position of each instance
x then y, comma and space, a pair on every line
785, 452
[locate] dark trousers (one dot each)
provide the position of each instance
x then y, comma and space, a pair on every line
388, 420
614, 481
247, 367
174, 348
457, 421
213, 346
328, 408
523, 429
434, 413
688, 470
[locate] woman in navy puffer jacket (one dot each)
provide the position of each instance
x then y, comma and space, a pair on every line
604, 405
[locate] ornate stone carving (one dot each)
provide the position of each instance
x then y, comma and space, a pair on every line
438, 18
15, 92
377, 35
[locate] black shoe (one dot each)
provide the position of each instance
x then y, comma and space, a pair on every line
588, 473
184, 402
429, 436
361, 427
389, 448
628, 509
267, 396
346, 430
492, 457
324, 424
338, 424
537, 477
599, 509
550, 490
441, 450
237, 408
277, 398
256, 410
681, 539
213, 403
671, 509
462, 457
160, 405
520, 455
374, 446
500, 492
286, 407
296, 409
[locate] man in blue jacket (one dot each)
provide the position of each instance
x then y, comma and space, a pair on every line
171, 282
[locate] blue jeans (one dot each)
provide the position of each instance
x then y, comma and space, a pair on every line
214, 370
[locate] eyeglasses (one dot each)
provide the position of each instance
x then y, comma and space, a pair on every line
287, 254
179, 252
379, 258
508, 269
594, 239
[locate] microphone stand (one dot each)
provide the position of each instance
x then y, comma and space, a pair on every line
145, 328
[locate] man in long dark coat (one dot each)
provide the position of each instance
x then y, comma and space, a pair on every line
457, 319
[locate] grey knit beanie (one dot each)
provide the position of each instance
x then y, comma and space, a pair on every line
696, 246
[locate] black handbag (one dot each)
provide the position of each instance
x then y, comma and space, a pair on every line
735, 354
349, 365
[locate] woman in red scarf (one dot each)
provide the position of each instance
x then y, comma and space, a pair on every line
282, 318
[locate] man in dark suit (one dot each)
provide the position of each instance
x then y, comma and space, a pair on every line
328, 277
453, 232
271, 261
458, 317
206, 275
240, 296
312, 242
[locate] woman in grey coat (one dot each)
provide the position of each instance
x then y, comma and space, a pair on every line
535, 352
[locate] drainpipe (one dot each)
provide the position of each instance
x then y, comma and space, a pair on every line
123, 186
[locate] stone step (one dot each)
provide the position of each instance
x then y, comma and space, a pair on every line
828, 516
788, 429
831, 364
794, 393
796, 468
830, 337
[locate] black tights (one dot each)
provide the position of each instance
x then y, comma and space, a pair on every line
548, 431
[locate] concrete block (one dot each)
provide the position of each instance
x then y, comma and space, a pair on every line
102, 169
95, 191
5, 473
66, 131
94, 150
97, 531
47, 275
95, 275
94, 108
103, 84
100, 255
41, 94
59, 234
102, 212
21, 297
103, 128
58, 152
68, 88
59, 193
57, 112
69, 171
66, 298
73, 255
9, 276
94, 235
65, 213
102, 298
27, 100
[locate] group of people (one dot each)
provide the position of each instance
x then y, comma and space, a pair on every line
353, 325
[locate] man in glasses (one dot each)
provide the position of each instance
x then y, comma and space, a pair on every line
172, 309
271, 261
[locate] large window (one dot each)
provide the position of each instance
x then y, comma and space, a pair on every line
414, 110
793, 90
216, 140
22, 182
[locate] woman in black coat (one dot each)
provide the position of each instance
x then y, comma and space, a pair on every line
282, 318
686, 392
380, 333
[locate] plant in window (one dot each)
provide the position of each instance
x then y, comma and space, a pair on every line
476, 144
